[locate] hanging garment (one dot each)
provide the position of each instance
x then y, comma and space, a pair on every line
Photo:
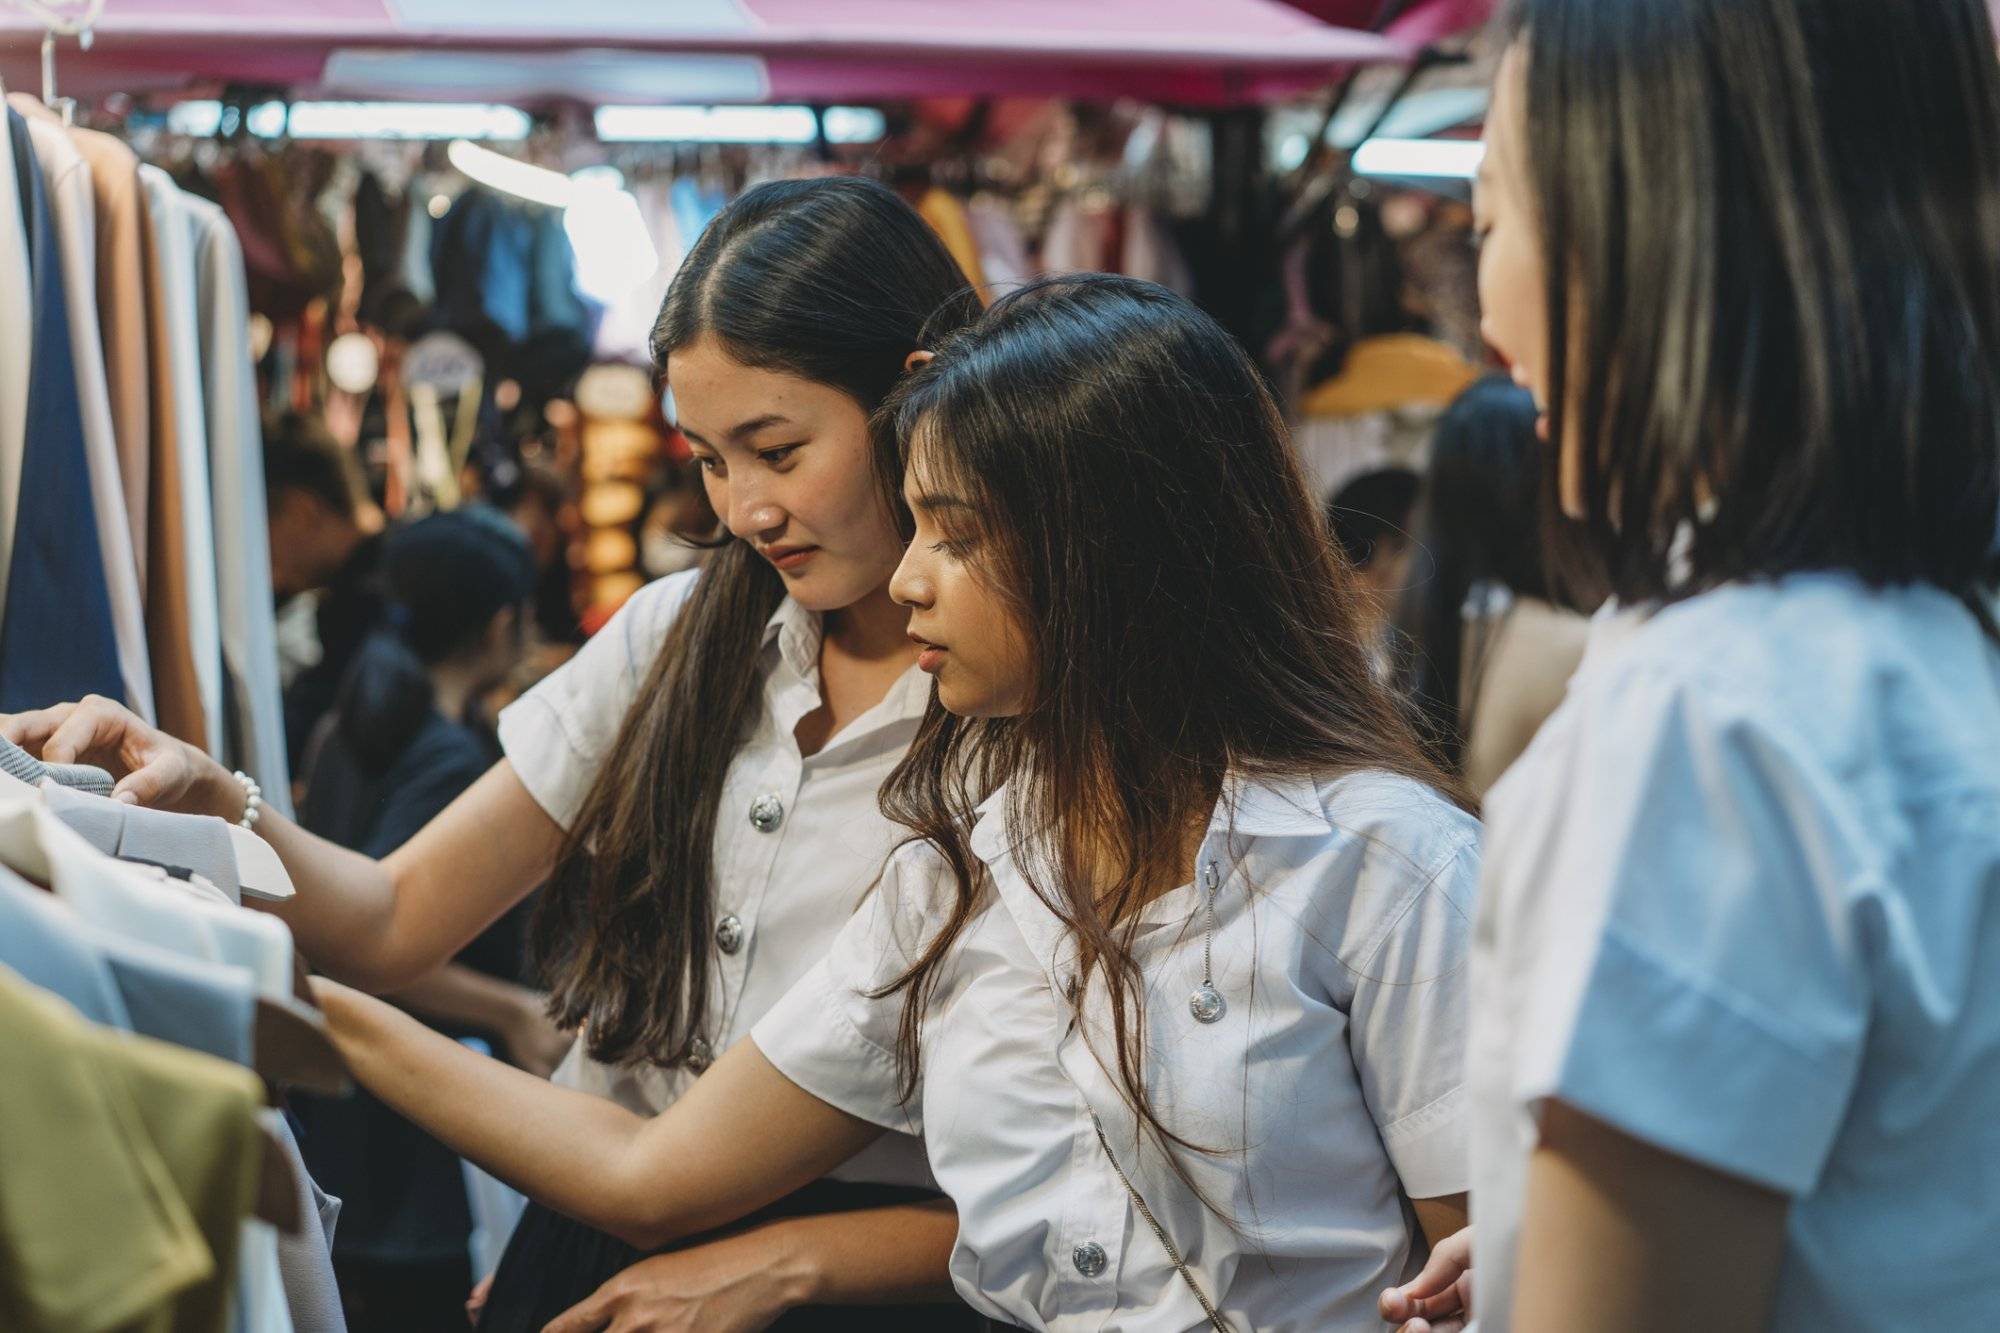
16, 344
199, 844
305, 1257
1003, 251
695, 206
127, 1165
1150, 252
57, 641
625, 333
253, 708
172, 232
74, 211
121, 318
941, 208
39, 941
177, 690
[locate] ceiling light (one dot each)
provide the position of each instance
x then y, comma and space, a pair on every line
1454, 159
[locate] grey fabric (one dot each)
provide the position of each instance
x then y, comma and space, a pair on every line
48, 949
202, 1007
199, 843
305, 1259
18, 762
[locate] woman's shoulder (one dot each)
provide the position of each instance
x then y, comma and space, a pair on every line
1402, 827
1401, 812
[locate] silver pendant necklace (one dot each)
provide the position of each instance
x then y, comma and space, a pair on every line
1207, 1004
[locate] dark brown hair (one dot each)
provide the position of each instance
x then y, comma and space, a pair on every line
1189, 616
1771, 260
832, 281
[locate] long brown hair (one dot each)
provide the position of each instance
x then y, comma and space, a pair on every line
832, 281
1188, 613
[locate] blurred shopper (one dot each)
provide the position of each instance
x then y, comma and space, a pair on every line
325, 540
1487, 653
400, 745
1370, 518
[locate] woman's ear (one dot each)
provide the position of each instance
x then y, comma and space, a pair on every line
917, 359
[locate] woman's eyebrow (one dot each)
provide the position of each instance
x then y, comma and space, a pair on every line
932, 504
742, 430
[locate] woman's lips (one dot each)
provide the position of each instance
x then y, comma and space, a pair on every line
929, 655
789, 557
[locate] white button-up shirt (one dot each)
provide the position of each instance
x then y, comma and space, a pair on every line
1740, 905
790, 889
1329, 1084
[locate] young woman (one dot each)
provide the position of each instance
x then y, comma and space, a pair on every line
1736, 1052
698, 786
1169, 974
1486, 653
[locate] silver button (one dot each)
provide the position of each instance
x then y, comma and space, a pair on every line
729, 933
700, 1054
1089, 1258
766, 813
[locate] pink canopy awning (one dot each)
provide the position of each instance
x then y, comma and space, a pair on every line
1202, 52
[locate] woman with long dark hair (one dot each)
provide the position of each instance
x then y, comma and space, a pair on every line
1736, 1052
698, 786
1168, 973
1486, 651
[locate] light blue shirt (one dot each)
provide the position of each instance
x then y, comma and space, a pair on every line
1741, 901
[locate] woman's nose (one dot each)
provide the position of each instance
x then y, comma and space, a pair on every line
909, 586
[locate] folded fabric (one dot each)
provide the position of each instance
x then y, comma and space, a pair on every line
17, 762
197, 843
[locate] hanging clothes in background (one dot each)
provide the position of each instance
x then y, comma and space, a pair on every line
625, 333
16, 356
57, 638
121, 318
252, 714
1003, 250
941, 208
72, 204
134, 551
176, 291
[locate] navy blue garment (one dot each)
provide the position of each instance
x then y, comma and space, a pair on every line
56, 641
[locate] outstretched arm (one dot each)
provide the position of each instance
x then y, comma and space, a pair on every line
742, 1137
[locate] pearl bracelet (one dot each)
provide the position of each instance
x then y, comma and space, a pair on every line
253, 799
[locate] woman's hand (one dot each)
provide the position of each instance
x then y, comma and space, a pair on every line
737, 1285
152, 768
1439, 1299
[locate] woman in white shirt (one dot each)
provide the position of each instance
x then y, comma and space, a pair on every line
699, 784
1169, 975
1736, 1043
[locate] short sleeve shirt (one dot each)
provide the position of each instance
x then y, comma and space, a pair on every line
1739, 905
1329, 1087
799, 840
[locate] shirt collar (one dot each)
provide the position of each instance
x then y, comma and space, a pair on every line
1289, 807
797, 633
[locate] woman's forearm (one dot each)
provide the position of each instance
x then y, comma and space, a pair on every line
872, 1256
566, 1149
742, 1137
382, 924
